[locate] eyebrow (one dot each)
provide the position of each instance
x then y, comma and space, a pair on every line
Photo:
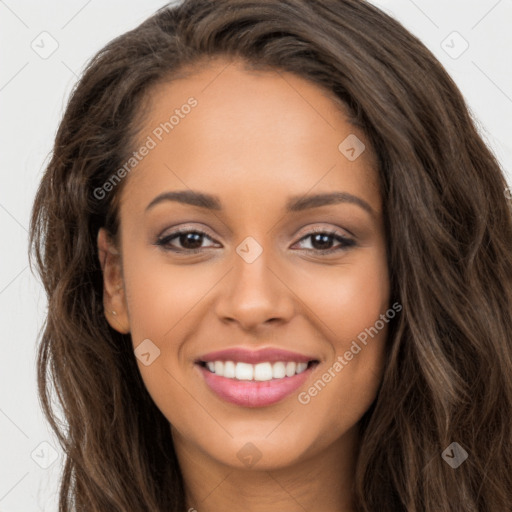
293, 204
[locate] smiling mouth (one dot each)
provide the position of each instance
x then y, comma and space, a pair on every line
255, 385
260, 372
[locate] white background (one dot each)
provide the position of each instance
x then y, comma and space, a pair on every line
33, 94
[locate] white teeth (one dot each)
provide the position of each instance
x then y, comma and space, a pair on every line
263, 371
258, 372
243, 371
219, 367
301, 367
229, 369
290, 369
279, 370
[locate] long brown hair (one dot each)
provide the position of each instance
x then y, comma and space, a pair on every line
448, 370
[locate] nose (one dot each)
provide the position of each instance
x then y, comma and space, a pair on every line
255, 294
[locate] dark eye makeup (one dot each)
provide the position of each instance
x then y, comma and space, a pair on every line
187, 237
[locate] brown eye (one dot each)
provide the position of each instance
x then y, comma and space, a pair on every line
321, 242
188, 240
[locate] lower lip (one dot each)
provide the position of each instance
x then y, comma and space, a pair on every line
248, 393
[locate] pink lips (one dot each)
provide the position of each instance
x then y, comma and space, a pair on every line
241, 355
253, 393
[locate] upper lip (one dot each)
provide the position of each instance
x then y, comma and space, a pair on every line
244, 355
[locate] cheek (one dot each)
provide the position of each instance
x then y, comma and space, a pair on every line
348, 305
163, 300
160, 295
348, 298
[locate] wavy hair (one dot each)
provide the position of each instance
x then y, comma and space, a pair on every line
448, 369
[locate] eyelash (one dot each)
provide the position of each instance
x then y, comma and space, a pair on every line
347, 242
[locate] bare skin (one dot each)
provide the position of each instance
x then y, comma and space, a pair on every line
254, 139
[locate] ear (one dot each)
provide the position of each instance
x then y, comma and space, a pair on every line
114, 296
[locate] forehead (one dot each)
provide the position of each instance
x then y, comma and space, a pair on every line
247, 129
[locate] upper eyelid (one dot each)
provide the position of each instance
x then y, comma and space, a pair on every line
316, 229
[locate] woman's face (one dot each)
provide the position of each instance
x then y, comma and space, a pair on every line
285, 253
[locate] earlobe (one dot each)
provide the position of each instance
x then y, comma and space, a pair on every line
114, 298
